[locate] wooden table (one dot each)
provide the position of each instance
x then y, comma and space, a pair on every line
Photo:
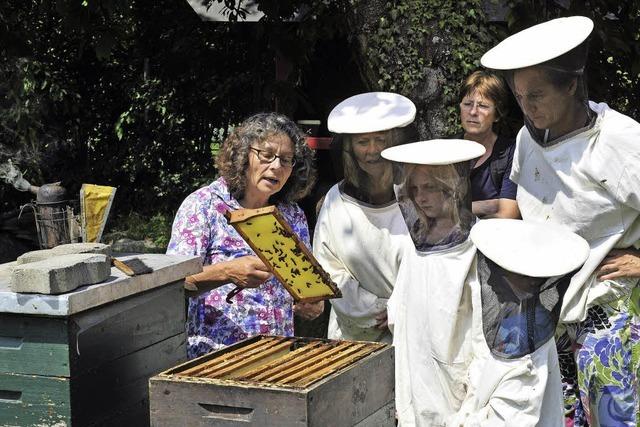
85, 357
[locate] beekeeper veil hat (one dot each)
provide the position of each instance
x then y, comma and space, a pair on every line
431, 183
558, 48
524, 269
384, 113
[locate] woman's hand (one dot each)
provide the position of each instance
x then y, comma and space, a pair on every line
619, 263
247, 271
244, 272
309, 310
382, 320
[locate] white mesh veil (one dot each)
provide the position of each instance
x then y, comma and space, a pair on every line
435, 202
519, 313
562, 73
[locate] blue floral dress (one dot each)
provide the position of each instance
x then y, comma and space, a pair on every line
606, 352
200, 228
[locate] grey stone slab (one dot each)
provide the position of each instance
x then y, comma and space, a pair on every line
70, 248
60, 274
5, 271
167, 269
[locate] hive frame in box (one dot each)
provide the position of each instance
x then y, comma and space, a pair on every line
239, 219
352, 390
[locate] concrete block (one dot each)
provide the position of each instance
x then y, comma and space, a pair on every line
71, 248
60, 274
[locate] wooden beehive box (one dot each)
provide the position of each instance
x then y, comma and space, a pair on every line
278, 381
84, 358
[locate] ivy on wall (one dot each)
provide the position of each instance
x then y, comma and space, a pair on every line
416, 36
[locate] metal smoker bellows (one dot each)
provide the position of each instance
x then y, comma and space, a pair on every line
280, 361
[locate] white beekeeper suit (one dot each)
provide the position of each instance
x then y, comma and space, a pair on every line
359, 245
431, 308
465, 355
359, 242
576, 165
522, 271
607, 215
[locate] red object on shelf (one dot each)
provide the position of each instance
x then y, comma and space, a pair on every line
319, 143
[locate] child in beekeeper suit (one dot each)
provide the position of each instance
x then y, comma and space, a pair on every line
437, 309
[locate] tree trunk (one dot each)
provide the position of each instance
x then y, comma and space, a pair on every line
426, 88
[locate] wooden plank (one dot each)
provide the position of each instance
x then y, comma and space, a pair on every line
183, 367
328, 367
310, 369
220, 372
229, 357
238, 374
167, 269
383, 417
34, 345
346, 398
288, 375
32, 400
280, 363
115, 330
289, 365
106, 391
179, 402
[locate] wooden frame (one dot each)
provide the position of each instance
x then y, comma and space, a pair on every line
288, 257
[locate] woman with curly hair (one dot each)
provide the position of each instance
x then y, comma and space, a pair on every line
264, 161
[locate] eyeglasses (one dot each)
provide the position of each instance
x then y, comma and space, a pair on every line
269, 157
468, 105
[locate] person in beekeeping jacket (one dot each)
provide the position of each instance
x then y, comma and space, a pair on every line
359, 229
576, 164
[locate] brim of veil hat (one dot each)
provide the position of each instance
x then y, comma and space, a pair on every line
528, 248
538, 44
435, 152
371, 112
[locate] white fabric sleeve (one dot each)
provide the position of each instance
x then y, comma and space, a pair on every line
518, 151
357, 304
507, 393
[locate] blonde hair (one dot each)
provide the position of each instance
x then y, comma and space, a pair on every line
452, 181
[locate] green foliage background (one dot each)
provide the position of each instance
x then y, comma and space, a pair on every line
115, 93
139, 94
415, 36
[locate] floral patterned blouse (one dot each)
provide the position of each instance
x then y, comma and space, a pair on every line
200, 228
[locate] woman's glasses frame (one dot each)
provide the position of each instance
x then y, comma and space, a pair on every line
481, 106
269, 157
